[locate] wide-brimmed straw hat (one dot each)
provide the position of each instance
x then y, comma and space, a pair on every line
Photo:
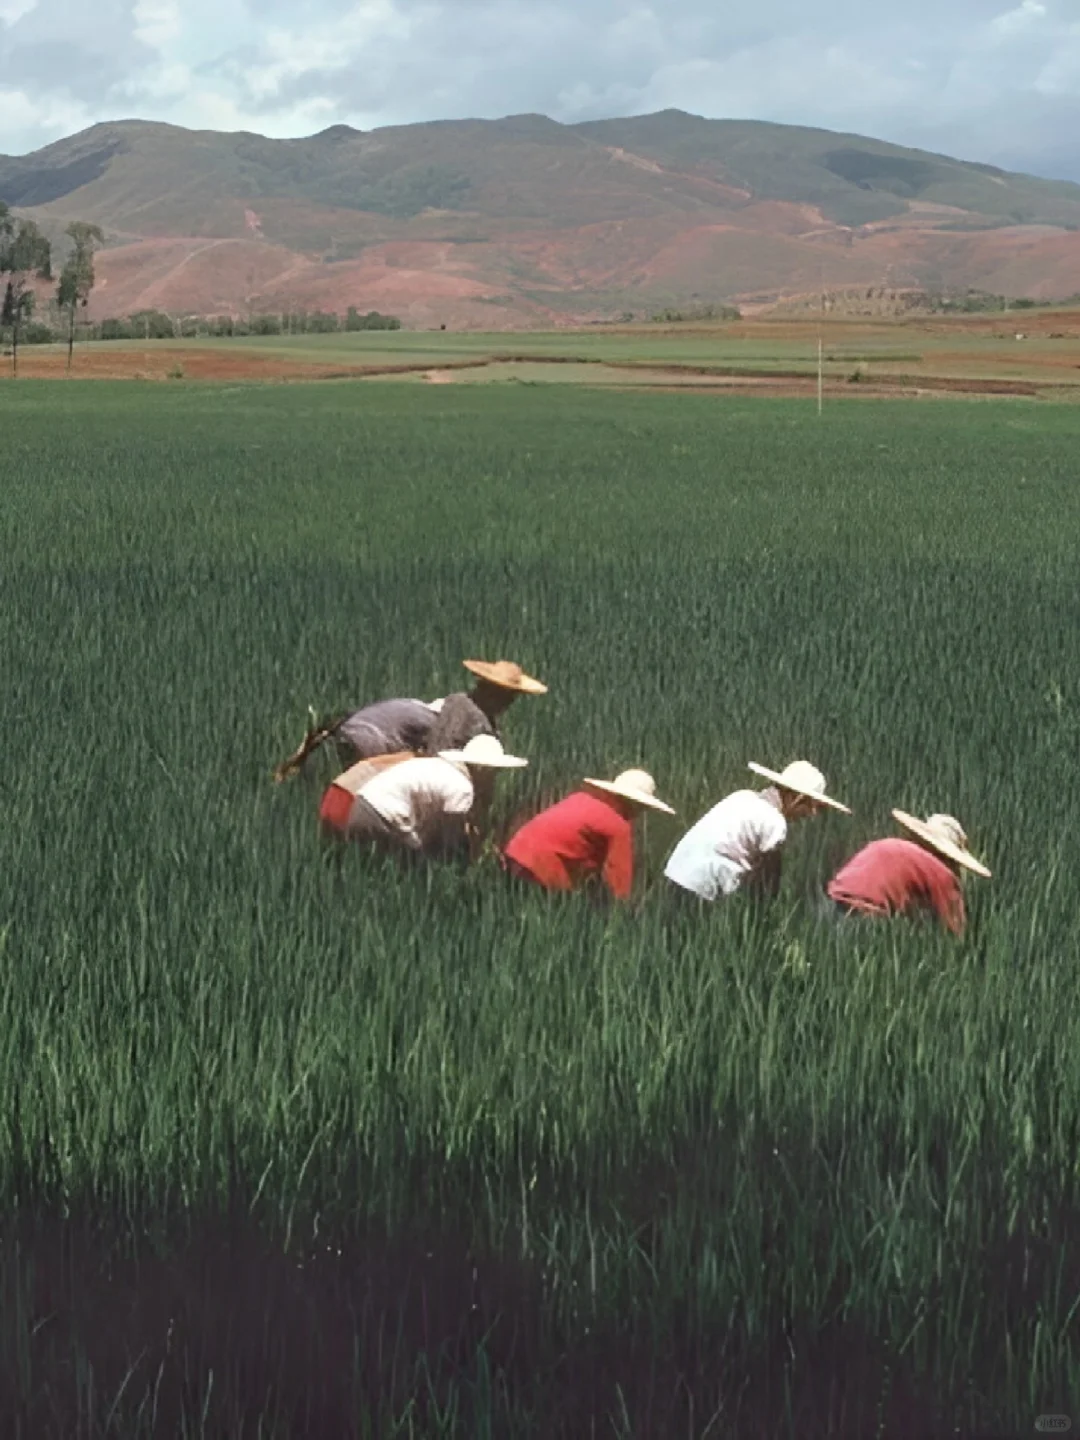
946, 835
507, 675
801, 778
636, 785
484, 750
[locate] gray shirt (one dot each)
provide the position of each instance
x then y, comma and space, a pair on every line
386, 727
459, 721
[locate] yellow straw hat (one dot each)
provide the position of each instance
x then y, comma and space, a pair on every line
636, 785
507, 675
946, 835
803, 779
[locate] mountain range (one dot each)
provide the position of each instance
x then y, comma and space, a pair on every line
525, 221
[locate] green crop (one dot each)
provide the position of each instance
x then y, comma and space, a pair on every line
298, 1142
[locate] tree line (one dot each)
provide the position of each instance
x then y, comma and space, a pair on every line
26, 263
159, 325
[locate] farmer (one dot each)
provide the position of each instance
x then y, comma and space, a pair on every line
738, 843
419, 727
426, 804
904, 877
478, 712
588, 834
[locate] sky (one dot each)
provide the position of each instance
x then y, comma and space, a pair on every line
990, 80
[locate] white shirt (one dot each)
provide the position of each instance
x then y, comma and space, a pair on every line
418, 797
717, 855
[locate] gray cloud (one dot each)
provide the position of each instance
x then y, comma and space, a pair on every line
995, 80
70, 47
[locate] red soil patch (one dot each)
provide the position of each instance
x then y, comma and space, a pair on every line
425, 283
185, 276
163, 361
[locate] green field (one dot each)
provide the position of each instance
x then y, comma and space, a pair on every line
788, 345
296, 1143
973, 355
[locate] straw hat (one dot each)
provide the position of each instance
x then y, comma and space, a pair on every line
946, 835
636, 785
801, 778
507, 675
484, 750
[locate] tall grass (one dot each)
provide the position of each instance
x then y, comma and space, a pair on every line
295, 1142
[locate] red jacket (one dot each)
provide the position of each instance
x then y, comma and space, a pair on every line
894, 877
582, 835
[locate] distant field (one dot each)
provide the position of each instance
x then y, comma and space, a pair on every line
298, 1145
965, 354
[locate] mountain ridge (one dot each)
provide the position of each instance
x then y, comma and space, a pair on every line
524, 220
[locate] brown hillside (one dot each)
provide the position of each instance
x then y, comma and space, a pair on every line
523, 221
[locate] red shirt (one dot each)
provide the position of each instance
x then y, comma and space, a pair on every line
580, 836
891, 877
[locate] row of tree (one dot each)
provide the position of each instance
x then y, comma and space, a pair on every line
160, 325
26, 260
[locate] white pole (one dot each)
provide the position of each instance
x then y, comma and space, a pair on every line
820, 343
820, 381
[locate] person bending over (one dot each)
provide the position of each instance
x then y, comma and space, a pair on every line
403, 727
428, 805
896, 876
738, 844
588, 835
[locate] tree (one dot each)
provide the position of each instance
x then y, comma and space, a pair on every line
320, 322
25, 255
152, 325
371, 321
77, 276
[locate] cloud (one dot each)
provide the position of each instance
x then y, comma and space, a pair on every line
1015, 22
23, 113
157, 22
12, 10
998, 80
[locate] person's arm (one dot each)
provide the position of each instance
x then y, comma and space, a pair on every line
768, 872
618, 869
477, 823
936, 890
950, 908
769, 841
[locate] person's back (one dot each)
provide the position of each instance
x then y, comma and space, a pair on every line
574, 839
424, 801
459, 720
387, 727
898, 877
725, 847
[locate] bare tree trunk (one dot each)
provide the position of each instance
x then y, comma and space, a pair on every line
71, 339
15, 346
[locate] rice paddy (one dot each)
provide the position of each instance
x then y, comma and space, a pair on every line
297, 1143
